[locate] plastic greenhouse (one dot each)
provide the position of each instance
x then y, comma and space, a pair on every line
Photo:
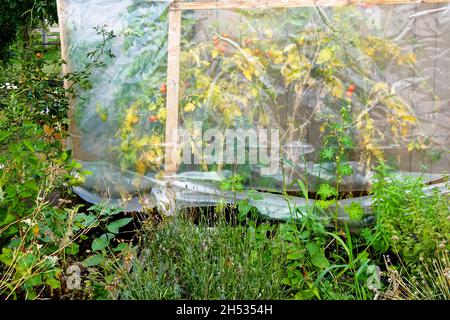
207, 102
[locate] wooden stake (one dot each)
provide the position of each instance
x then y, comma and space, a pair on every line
74, 139
173, 86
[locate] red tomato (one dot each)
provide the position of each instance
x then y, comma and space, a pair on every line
351, 88
153, 118
163, 88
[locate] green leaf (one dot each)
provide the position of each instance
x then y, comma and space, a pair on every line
347, 142
33, 281
53, 282
93, 260
327, 153
296, 255
4, 135
312, 248
28, 144
114, 226
320, 261
120, 247
7, 256
355, 211
326, 191
345, 170
304, 189
72, 249
102, 242
254, 195
26, 261
304, 235
305, 295
31, 295
99, 244
244, 208
317, 257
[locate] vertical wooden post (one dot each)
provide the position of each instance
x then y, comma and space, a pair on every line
73, 142
173, 86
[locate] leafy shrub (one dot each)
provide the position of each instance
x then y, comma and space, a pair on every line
17, 17
42, 232
410, 222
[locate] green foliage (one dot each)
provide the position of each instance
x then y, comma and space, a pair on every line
183, 260
409, 222
355, 211
234, 183
34, 90
217, 257
41, 234
317, 269
18, 17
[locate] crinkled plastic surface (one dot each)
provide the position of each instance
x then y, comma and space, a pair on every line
374, 75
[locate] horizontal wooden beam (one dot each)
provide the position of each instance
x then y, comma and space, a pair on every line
261, 4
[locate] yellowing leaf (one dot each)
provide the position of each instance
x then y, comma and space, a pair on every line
247, 74
290, 47
404, 130
189, 107
409, 118
101, 112
140, 167
36, 230
411, 58
369, 51
155, 140
380, 86
336, 88
325, 55
48, 130
214, 53
322, 128
162, 114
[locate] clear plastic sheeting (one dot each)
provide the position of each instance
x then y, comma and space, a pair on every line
273, 95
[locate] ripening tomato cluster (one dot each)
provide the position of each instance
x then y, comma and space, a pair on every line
218, 45
350, 90
163, 90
